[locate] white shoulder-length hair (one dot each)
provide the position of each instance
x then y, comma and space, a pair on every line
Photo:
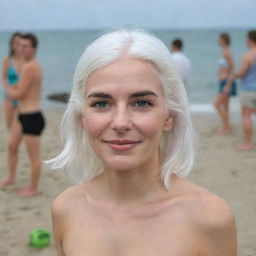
177, 146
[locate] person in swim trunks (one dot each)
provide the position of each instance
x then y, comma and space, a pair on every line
226, 66
28, 93
32, 123
247, 74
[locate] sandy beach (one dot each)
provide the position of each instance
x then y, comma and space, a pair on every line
220, 168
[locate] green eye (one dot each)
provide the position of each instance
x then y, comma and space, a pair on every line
143, 103
99, 104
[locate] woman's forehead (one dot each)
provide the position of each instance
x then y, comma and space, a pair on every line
126, 74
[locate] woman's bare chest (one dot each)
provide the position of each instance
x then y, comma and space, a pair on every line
151, 235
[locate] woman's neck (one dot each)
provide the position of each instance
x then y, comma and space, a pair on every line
225, 48
142, 184
18, 58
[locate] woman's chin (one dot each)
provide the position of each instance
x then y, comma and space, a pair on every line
122, 164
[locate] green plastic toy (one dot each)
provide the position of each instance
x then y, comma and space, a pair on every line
39, 238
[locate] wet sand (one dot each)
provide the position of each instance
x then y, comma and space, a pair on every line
219, 167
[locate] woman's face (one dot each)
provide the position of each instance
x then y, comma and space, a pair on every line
16, 44
220, 42
249, 42
125, 113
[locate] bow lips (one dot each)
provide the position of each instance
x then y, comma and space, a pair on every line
122, 145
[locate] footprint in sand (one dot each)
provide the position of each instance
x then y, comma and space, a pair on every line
234, 173
11, 218
26, 208
38, 213
3, 188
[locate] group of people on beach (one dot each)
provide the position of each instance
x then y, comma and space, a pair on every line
227, 86
24, 119
227, 82
21, 79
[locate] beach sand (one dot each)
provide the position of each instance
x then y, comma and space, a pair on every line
219, 168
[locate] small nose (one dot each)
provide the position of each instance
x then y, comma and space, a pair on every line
121, 120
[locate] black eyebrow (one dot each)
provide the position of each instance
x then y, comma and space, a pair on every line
133, 95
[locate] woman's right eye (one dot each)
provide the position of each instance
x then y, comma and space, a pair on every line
99, 104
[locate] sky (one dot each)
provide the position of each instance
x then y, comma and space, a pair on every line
98, 14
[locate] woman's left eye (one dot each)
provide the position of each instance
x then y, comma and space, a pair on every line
143, 103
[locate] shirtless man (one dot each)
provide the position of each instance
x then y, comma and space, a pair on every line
28, 92
125, 208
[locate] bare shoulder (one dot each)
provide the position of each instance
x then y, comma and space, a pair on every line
247, 57
227, 53
31, 65
27, 68
64, 203
213, 212
6, 62
212, 219
207, 209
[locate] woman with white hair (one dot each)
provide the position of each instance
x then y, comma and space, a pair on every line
128, 142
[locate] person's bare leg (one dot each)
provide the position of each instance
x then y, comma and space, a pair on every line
13, 146
9, 113
221, 105
33, 150
247, 129
226, 126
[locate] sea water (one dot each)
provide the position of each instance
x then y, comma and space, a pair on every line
59, 52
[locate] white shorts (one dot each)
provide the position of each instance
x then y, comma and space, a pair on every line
248, 99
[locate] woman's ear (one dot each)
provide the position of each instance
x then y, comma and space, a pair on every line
168, 123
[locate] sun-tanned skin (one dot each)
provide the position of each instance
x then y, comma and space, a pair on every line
10, 111
222, 100
17, 61
247, 112
126, 210
28, 92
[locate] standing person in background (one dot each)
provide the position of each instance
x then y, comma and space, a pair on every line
181, 61
10, 76
28, 92
247, 74
226, 67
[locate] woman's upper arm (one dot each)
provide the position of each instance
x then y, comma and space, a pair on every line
219, 230
223, 238
244, 66
5, 68
57, 227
